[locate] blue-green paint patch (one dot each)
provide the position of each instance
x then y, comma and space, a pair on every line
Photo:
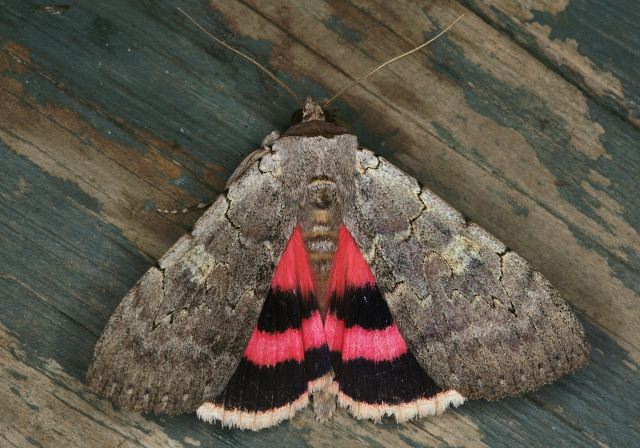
520, 110
62, 269
101, 31
518, 209
149, 205
481, 160
45, 93
622, 166
193, 187
445, 135
143, 78
626, 269
633, 259
336, 24
16, 375
71, 191
608, 37
14, 390
622, 169
34, 442
415, 444
612, 373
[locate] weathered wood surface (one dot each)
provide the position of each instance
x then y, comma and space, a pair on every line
525, 117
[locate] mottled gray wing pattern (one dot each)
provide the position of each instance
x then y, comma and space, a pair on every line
476, 316
177, 336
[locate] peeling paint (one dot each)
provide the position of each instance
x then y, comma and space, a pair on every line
588, 44
518, 209
599, 46
53, 399
336, 24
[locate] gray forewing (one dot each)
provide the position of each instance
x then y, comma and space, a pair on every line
476, 316
177, 336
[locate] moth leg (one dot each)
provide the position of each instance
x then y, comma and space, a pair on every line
193, 208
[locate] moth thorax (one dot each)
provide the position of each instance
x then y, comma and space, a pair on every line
320, 223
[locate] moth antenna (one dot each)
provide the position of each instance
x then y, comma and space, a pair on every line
269, 73
194, 208
390, 61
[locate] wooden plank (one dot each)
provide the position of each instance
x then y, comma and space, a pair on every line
589, 42
110, 110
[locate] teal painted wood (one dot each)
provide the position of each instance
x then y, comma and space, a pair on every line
605, 37
107, 111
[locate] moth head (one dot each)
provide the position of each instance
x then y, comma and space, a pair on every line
311, 110
313, 120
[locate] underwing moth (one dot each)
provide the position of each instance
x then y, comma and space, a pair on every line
325, 274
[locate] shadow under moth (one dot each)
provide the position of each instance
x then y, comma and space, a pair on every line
324, 273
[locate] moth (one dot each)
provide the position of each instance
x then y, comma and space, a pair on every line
325, 274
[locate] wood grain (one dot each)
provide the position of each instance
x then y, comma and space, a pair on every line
523, 117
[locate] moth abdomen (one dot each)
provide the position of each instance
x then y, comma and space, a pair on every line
321, 242
319, 223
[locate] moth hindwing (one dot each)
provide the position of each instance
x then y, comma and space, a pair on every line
326, 274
